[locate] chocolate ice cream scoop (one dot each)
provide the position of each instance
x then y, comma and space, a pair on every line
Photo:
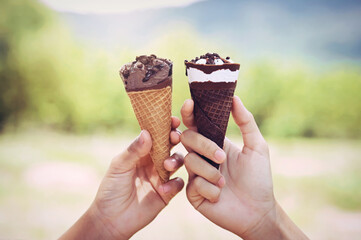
146, 72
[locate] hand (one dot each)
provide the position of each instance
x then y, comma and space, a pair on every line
238, 197
131, 194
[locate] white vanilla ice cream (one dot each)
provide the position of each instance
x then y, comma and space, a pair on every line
221, 75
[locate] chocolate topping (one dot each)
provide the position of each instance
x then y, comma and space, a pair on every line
209, 68
213, 85
210, 58
146, 72
208, 65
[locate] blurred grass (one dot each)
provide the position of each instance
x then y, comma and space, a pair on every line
344, 190
331, 170
341, 190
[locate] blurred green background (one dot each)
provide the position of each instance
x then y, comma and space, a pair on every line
64, 111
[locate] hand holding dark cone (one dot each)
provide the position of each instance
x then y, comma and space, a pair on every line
212, 81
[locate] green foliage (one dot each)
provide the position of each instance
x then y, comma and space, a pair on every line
296, 101
17, 20
49, 79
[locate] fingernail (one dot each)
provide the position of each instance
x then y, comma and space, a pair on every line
239, 100
221, 182
166, 188
140, 139
220, 155
171, 163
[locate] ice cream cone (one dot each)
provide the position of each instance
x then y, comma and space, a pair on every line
153, 111
212, 87
148, 82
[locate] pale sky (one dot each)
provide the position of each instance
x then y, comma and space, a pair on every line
113, 6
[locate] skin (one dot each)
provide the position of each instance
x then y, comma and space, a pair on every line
238, 197
131, 195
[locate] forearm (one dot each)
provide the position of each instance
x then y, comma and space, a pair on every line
87, 227
275, 225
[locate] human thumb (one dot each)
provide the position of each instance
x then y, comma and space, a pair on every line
128, 159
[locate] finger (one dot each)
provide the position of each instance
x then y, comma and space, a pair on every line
175, 122
202, 145
252, 137
169, 189
128, 159
187, 114
205, 189
191, 174
200, 167
175, 137
173, 163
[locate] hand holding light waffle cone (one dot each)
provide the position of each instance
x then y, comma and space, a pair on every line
212, 81
148, 82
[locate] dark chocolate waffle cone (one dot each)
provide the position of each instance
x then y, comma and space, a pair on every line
212, 106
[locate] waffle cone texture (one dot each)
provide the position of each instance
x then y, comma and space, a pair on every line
212, 108
153, 109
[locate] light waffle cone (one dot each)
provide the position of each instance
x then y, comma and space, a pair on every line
153, 109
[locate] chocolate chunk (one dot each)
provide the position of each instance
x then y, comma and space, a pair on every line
227, 58
170, 70
148, 75
143, 59
158, 66
126, 73
210, 58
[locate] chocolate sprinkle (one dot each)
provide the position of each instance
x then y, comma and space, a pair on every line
126, 73
210, 58
148, 75
170, 69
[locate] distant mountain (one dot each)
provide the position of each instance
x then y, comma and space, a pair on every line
321, 29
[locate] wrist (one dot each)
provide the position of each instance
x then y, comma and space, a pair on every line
89, 226
268, 225
275, 225
104, 225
